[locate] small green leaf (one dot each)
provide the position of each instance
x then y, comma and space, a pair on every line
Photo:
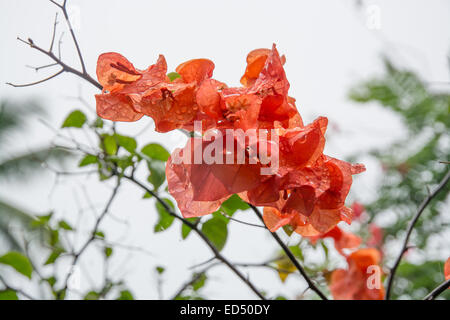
110, 144
64, 225
8, 295
128, 143
75, 119
288, 229
87, 160
173, 75
165, 219
108, 251
41, 220
146, 195
92, 295
297, 252
200, 281
186, 230
53, 256
234, 203
99, 234
125, 295
98, 123
157, 173
216, 231
19, 262
156, 152
160, 269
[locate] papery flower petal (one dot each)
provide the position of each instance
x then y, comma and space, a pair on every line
208, 98
114, 71
256, 60
116, 107
180, 188
195, 70
352, 284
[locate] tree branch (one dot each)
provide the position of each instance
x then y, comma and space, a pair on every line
194, 227
291, 257
412, 223
77, 255
438, 290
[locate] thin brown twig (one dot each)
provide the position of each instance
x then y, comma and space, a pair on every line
77, 255
291, 257
412, 223
438, 290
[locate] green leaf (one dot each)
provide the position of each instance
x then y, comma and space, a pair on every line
216, 231
108, 251
92, 295
186, 230
54, 255
110, 144
125, 295
160, 269
157, 173
165, 219
19, 262
156, 152
87, 160
8, 295
41, 220
146, 195
64, 225
234, 203
288, 229
200, 282
75, 119
173, 75
99, 234
297, 252
128, 143
98, 123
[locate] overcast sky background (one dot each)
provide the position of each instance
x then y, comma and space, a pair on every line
329, 45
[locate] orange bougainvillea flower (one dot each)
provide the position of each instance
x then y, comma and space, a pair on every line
342, 240
306, 190
314, 213
447, 269
129, 93
362, 279
376, 236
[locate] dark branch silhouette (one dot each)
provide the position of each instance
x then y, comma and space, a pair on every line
412, 223
292, 258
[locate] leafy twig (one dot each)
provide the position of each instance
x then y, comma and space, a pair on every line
292, 258
412, 223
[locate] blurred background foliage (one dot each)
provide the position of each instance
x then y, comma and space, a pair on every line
411, 167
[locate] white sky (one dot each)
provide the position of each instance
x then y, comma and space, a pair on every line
328, 45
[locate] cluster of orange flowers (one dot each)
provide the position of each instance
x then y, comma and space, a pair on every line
308, 190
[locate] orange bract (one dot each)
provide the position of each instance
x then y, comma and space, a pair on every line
447, 269
362, 279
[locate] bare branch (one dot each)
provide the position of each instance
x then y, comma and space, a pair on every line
77, 255
36, 82
54, 32
42, 67
412, 223
291, 257
438, 290
75, 41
